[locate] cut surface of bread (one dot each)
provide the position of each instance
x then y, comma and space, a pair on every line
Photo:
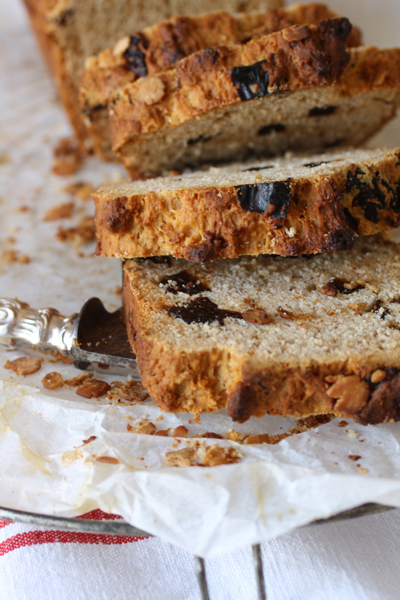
302, 205
212, 116
159, 47
69, 31
302, 336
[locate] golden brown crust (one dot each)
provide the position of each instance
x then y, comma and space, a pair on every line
322, 214
207, 79
159, 47
365, 98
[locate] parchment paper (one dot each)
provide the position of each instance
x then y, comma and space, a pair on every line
44, 465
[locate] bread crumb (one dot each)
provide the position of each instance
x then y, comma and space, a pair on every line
351, 433
81, 190
108, 460
362, 471
68, 158
90, 439
181, 458
235, 436
127, 391
62, 211
147, 428
217, 455
342, 423
26, 365
95, 388
52, 381
13, 256
78, 380
180, 431
83, 233
354, 457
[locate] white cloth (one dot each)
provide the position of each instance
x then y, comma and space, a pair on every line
352, 560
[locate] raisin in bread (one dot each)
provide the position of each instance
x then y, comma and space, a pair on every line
216, 106
70, 31
302, 336
159, 47
303, 205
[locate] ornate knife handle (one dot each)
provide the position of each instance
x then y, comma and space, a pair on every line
45, 328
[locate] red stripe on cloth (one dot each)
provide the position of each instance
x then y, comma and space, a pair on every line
33, 538
99, 515
4, 523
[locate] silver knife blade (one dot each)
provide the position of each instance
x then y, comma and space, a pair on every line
93, 338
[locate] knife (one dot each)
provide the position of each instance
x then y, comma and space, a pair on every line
93, 338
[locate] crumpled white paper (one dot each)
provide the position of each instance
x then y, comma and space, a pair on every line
44, 465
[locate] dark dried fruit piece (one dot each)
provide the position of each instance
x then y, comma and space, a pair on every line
271, 199
380, 309
26, 365
93, 389
370, 197
336, 285
134, 55
202, 310
52, 380
251, 81
322, 111
329, 289
200, 138
184, 282
274, 127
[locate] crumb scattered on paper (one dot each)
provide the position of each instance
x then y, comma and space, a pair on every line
61, 211
26, 365
81, 190
14, 256
67, 157
83, 233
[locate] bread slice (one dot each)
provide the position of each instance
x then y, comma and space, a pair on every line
215, 105
159, 47
303, 205
68, 31
303, 336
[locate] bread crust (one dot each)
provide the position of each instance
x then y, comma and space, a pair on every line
161, 46
191, 113
68, 31
45, 16
206, 80
323, 213
200, 379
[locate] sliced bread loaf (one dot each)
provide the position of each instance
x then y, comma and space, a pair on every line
275, 95
301, 205
302, 336
159, 47
70, 31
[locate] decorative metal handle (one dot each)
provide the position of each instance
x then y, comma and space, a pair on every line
44, 328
